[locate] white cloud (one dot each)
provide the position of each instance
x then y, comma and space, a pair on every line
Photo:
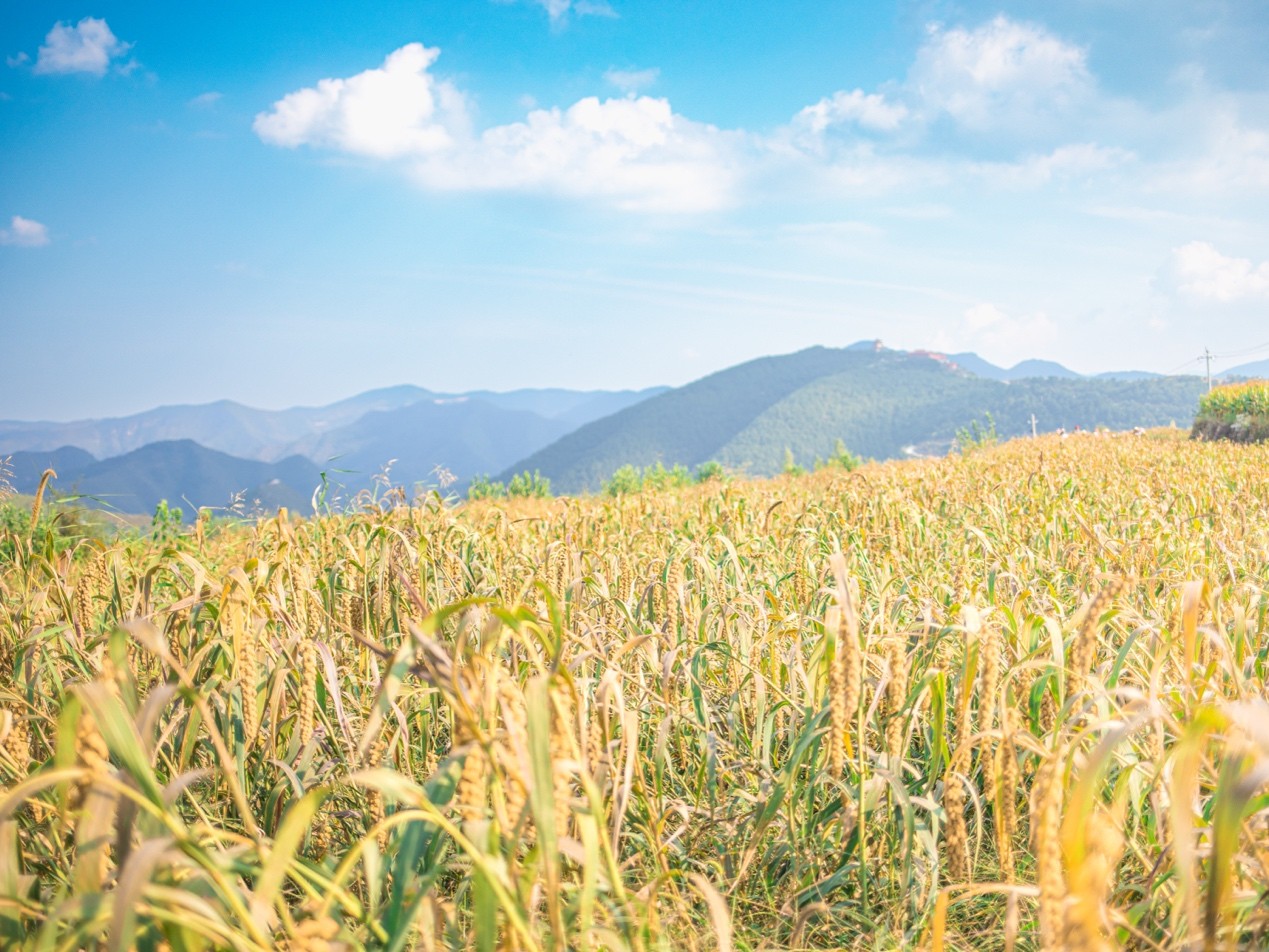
394, 111
635, 153
25, 233
870, 110
989, 327
1065, 162
1002, 71
631, 81
86, 47
1203, 272
205, 100
1233, 157
559, 10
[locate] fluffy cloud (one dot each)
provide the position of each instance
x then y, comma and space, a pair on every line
397, 110
86, 47
559, 10
25, 233
990, 327
1203, 272
1064, 162
635, 153
1001, 71
870, 110
631, 81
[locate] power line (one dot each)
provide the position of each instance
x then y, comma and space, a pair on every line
1259, 348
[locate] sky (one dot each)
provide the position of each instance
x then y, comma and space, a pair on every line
291, 203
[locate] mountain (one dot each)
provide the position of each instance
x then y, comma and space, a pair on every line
1028, 368
572, 406
224, 425
881, 403
1259, 368
181, 471
269, 435
29, 467
466, 436
688, 424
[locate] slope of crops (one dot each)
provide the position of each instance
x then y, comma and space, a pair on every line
1015, 700
1238, 412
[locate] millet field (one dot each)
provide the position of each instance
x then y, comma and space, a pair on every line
1014, 699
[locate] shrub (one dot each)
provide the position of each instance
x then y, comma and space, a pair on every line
483, 488
977, 436
528, 485
1238, 412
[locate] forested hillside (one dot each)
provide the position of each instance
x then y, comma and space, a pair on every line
882, 404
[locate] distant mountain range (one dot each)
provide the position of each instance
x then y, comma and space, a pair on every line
204, 455
1049, 368
273, 434
882, 403
180, 471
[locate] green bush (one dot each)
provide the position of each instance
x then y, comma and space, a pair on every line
482, 487
709, 471
842, 458
977, 436
528, 485
1238, 412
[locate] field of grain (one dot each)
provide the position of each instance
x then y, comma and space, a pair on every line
1011, 700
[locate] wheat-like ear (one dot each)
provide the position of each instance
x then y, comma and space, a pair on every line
895, 698
38, 504
15, 736
1046, 813
1084, 646
846, 669
308, 690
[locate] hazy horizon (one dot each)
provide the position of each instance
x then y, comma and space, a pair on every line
290, 206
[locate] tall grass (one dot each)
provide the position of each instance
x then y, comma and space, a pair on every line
1010, 700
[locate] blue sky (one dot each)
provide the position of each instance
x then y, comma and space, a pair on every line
292, 205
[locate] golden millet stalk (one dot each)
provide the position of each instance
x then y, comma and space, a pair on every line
896, 696
38, 504
308, 690
1046, 818
1084, 647
989, 652
1090, 878
319, 836
838, 719
956, 833
846, 675
243, 636
469, 798
674, 594
314, 934
90, 747
563, 747
17, 741
514, 748
1005, 773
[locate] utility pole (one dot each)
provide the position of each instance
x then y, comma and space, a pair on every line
1033, 423
1207, 356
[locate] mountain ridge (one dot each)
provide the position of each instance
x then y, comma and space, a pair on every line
879, 402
